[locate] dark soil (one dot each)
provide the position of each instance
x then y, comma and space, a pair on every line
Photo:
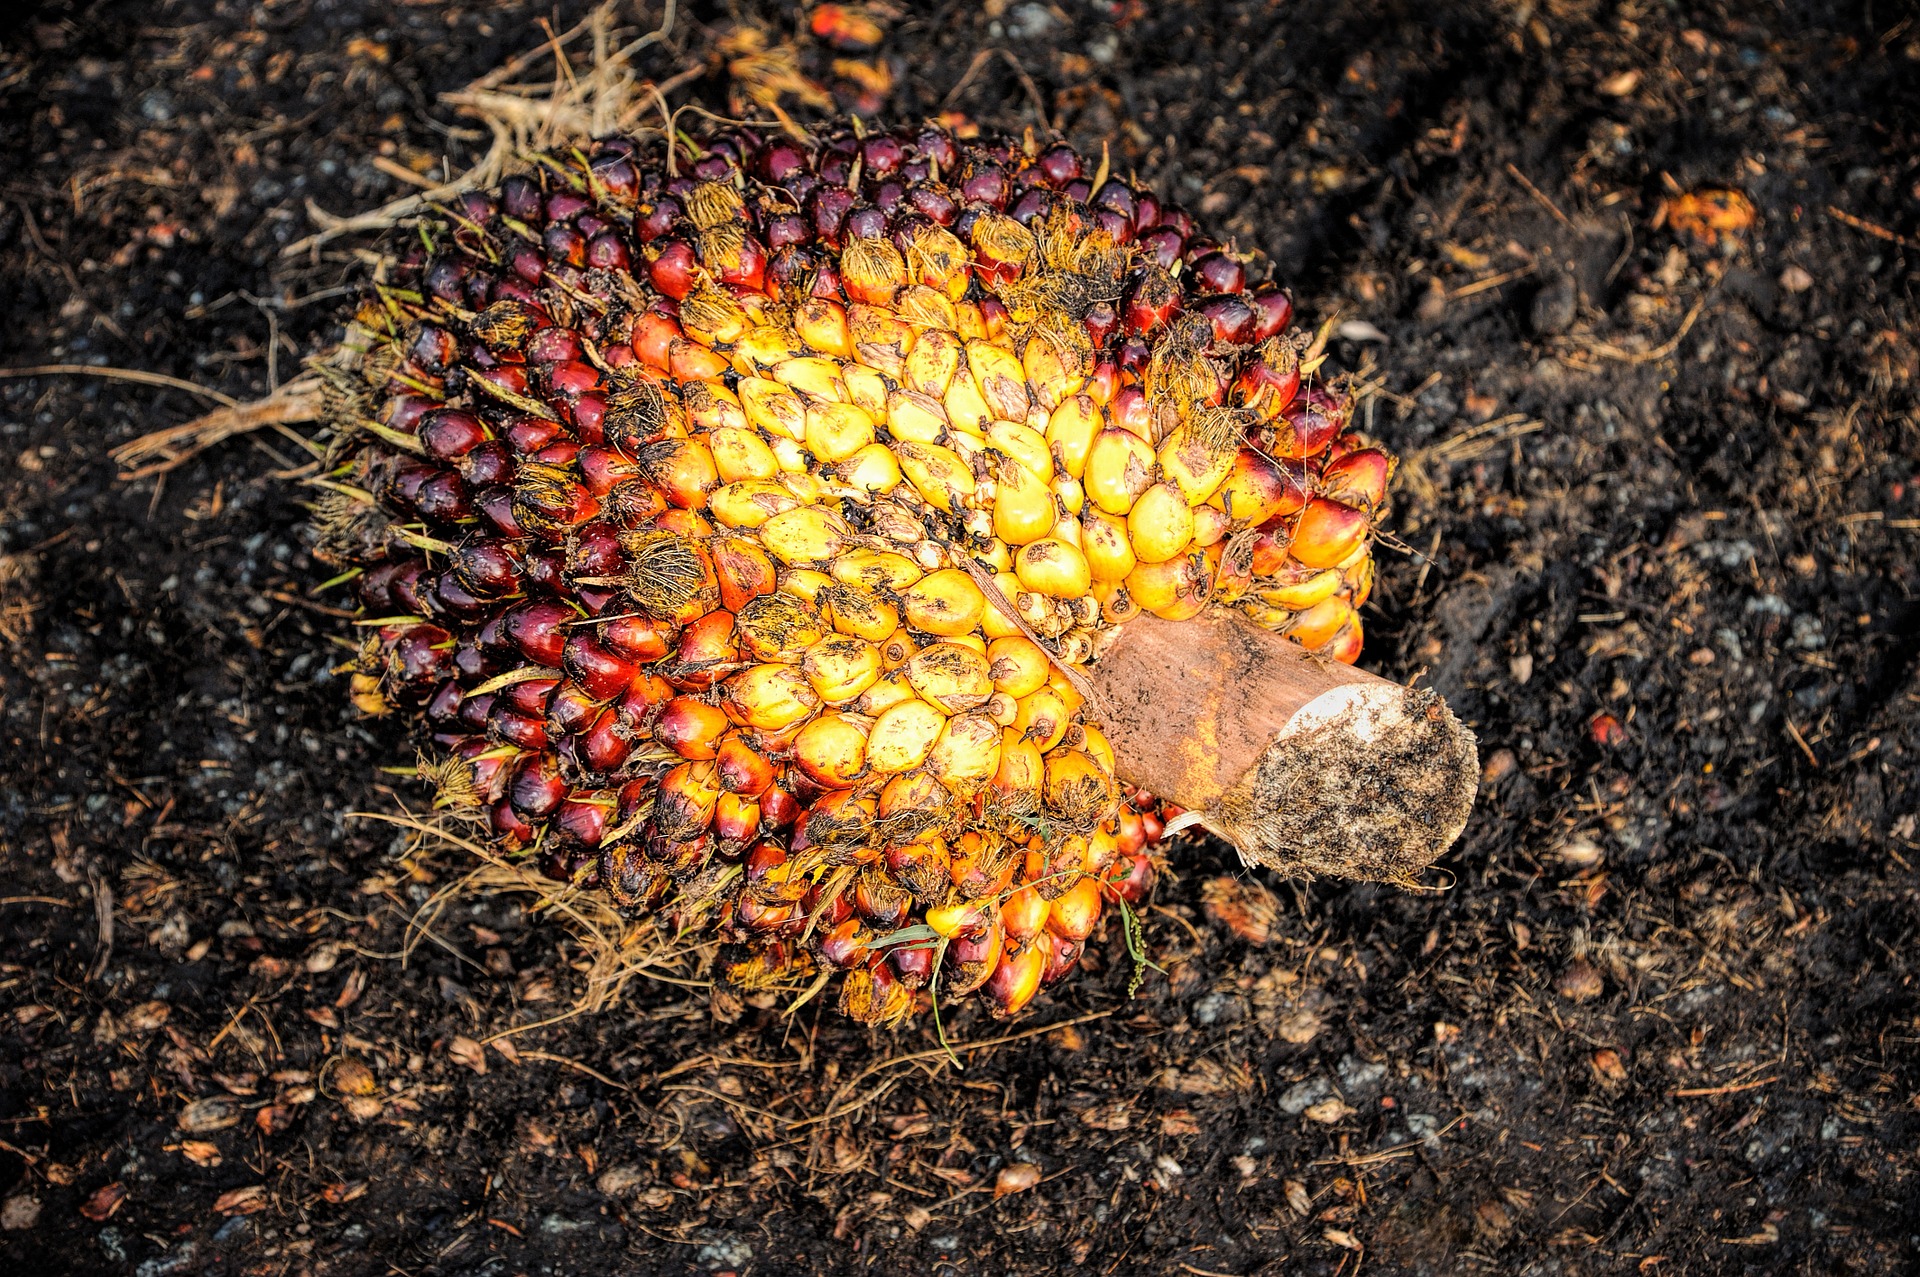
1662, 1021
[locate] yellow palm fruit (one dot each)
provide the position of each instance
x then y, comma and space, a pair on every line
939, 259
822, 324
945, 603
1097, 745
951, 677
1023, 507
1001, 708
876, 569
749, 503
1038, 614
840, 667
856, 611
881, 340
967, 752
763, 347
1316, 625
1000, 378
1160, 524
996, 558
1119, 468
778, 627
1193, 464
1017, 665
873, 470
1021, 770
768, 697
1116, 605
931, 366
816, 376
1360, 581
902, 735
1173, 590
937, 473
888, 690
789, 454
1069, 492
997, 622
915, 793
772, 407
966, 408
1053, 374
1052, 567
897, 649
711, 318
835, 431
913, 417
808, 534
804, 583
1210, 525
873, 269
1297, 589
808, 488
741, 454
866, 387
1067, 529
832, 749
1043, 718
926, 309
1024, 444
1078, 787
1106, 545
1063, 688
1071, 430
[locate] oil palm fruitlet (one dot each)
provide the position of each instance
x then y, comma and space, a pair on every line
738, 522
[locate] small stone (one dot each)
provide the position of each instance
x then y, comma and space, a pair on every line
1579, 852
1608, 1064
618, 1181
1795, 280
1500, 764
1017, 1178
1329, 1111
1555, 306
19, 1212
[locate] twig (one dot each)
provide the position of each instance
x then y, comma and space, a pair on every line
1801, 741
1695, 1092
1878, 232
121, 374
163, 450
980, 60
573, 1064
1608, 350
1540, 195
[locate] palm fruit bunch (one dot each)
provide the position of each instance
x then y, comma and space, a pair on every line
738, 522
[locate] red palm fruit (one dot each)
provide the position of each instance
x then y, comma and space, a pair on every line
913, 964
743, 769
604, 746
743, 569
570, 708
881, 901
769, 873
971, 959
676, 269
538, 629
847, 945
653, 336
488, 569
448, 434
1358, 479
1220, 272
683, 469
1131, 878
638, 704
1063, 956
874, 995
1015, 980
582, 819
1024, 914
1258, 488
508, 825
1164, 246
683, 806
1344, 646
707, 652
1129, 830
778, 807
923, 866
691, 728
1273, 311
637, 638
605, 468
1232, 319
764, 919
1076, 910
598, 669
981, 865
506, 724
1328, 533
736, 818
530, 696
536, 788
689, 361
1306, 430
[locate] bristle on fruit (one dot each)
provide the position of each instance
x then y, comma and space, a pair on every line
737, 527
